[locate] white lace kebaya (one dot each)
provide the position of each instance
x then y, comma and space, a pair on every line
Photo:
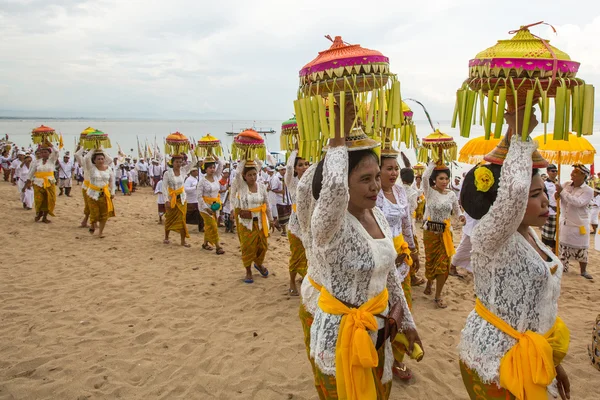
439, 205
511, 279
244, 199
291, 182
353, 266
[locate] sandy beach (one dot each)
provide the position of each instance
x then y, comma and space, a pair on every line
129, 317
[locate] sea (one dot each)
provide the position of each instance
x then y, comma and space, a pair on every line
127, 133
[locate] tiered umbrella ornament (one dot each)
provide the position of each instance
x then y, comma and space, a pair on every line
249, 145
177, 144
438, 147
289, 135
209, 147
43, 134
84, 133
515, 75
96, 140
351, 76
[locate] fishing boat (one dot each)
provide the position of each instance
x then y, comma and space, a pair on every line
262, 131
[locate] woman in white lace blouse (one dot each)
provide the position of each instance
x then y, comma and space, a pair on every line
100, 189
437, 235
517, 283
294, 169
353, 248
253, 216
209, 202
176, 205
41, 175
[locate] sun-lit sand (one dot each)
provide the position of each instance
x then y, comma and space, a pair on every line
129, 317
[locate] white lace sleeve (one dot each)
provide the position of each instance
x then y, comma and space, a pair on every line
394, 286
265, 196
219, 169
32, 170
456, 211
425, 178
506, 214
304, 199
237, 183
407, 231
78, 156
289, 169
87, 161
331, 206
111, 181
53, 155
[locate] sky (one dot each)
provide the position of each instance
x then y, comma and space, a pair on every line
197, 59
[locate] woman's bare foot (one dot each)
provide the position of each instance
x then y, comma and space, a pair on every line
428, 288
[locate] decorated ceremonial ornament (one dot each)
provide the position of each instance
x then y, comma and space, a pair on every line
43, 134
571, 151
419, 169
95, 140
289, 135
84, 133
439, 147
359, 81
208, 148
249, 145
387, 150
177, 144
515, 75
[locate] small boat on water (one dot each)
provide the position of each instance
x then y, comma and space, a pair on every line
262, 131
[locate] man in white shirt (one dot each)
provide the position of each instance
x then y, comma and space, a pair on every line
156, 171
549, 229
65, 173
15, 167
456, 186
574, 233
282, 197
142, 168
190, 186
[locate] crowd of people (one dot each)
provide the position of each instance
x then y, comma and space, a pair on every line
351, 221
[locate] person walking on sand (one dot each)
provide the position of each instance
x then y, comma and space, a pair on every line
65, 174
101, 190
41, 176
549, 228
176, 205
209, 202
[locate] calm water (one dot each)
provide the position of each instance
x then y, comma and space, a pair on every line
126, 132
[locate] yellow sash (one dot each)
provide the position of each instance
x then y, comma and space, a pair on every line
45, 176
86, 184
402, 248
294, 207
314, 284
355, 353
106, 191
210, 200
528, 367
173, 195
262, 209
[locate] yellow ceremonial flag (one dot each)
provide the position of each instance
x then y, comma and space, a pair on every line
61, 144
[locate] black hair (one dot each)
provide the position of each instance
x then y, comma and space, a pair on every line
436, 173
476, 203
205, 166
407, 175
354, 158
246, 170
96, 155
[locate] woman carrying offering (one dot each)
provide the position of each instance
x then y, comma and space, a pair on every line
513, 342
360, 286
176, 205
393, 202
84, 186
100, 189
41, 175
437, 235
294, 169
209, 202
253, 214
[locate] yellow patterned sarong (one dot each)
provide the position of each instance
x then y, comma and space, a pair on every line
45, 198
253, 244
211, 231
437, 261
298, 262
175, 218
99, 210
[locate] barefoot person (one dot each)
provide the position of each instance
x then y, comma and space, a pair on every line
253, 215
26, 192
41, 175
513, 342
209, 202
101, 190
176, 205
84, 185
549, 228
354, 250
294, 170
574, 233
437, 235
394, 204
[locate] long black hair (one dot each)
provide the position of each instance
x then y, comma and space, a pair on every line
437, 172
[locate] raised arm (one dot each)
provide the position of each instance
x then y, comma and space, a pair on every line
331, 206
289, 169
111, 181
87, 161
506, 214
578, 201
425, 178
53, 155
79, 156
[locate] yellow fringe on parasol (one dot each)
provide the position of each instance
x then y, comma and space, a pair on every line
84, 133
289, 135
439, 147
176, 144
209, 147
572, 150
248, 145
43, 134
96, 140
475, 149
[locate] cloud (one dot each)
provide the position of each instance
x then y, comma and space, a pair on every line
241, 59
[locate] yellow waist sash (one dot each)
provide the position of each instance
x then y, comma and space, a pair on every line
173, 195
45, 175
104, 189
210, 200
402, 248
86, 184
447, 239
294, 207
355, 353
528, 367
314, 284
262, 209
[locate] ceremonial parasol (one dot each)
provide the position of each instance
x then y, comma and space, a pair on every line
351, 76
517, 74
95, 140
289, 134
475, 149
208, 148
177, 144
439, 147
419, 169
248, 145
84, 133
43, 134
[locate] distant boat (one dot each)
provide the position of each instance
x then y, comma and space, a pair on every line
262, 131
